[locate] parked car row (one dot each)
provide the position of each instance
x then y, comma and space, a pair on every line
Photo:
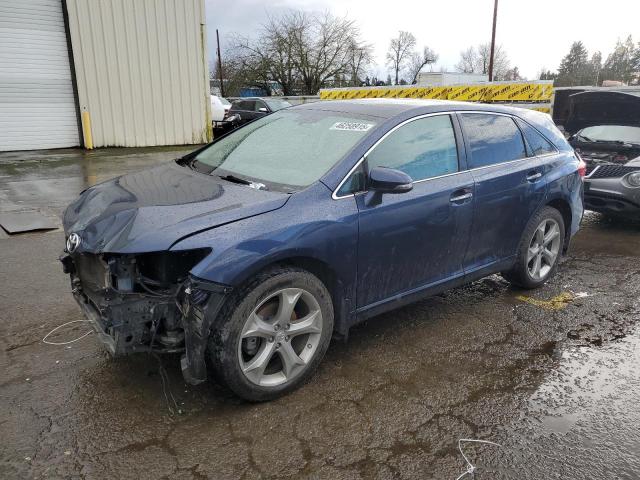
227, 115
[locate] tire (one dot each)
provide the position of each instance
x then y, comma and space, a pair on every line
259, 307
523, 272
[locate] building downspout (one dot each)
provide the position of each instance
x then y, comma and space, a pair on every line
74, 84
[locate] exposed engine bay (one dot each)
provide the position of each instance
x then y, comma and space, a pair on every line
145, 302
604, 155
603, 126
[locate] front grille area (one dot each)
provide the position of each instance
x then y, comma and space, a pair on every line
611, 171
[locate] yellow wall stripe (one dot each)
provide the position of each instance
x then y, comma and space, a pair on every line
502, 92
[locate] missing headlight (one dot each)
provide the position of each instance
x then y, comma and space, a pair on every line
169, 268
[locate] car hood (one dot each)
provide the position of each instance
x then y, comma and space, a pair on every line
153, 209
634, 163
587, 109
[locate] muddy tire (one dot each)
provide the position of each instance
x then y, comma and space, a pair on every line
271, 334
539, 250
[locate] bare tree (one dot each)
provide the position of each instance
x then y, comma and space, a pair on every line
323, 49
303, 51
240, 72
269, 58
468, 60
360, 56
419, 60
513, 74
501, 62
400, 51
476, 60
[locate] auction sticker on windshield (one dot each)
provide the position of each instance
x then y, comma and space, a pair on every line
352, 126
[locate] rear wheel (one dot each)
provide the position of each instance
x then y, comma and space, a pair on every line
539, 249
272, 334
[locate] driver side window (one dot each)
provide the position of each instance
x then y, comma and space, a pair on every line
422, 149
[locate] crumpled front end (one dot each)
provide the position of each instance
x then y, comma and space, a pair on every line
147, 303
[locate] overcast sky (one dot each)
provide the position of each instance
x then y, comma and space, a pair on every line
535, 34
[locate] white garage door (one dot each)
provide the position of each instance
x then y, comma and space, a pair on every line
37, 106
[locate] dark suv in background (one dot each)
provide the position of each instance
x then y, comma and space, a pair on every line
251, 108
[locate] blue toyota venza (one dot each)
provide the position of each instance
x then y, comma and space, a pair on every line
251, 253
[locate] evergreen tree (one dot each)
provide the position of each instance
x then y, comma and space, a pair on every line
629, 71
546, 74
574, 68
635, 64
619, 64
595, 67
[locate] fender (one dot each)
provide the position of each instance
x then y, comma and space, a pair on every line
328, 236
567, 188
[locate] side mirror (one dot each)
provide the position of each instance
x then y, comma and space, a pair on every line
389, 180
263, 110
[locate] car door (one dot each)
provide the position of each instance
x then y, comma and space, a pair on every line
411, 240
509, 187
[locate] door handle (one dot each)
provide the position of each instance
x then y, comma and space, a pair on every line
533, 176
461, 198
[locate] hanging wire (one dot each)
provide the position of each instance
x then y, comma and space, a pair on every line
44, 340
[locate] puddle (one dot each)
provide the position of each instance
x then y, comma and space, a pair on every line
586, 379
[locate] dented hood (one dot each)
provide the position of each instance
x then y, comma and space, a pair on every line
153, 209
587, 109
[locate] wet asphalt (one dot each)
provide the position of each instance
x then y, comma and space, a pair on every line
551, 375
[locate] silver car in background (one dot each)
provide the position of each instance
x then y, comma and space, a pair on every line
604, 128
614, 189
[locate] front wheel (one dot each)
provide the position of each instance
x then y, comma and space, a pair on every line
272, 333
539, 249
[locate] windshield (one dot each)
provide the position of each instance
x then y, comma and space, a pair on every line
276, 105
610, 133
287, 150
224, 101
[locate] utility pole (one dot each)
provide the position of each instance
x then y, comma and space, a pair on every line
493, 39
220, 64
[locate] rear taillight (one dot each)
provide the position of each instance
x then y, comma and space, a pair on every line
582, 166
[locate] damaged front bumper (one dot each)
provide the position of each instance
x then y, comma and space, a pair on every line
130, 321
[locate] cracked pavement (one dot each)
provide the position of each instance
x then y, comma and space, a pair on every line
557, 388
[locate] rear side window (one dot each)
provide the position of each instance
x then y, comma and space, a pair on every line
245, 105
492, 138
537, 143
423, 148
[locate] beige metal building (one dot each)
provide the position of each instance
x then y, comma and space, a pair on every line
103, 73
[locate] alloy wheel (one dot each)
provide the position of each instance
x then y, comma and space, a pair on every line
544, 248
280, 337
